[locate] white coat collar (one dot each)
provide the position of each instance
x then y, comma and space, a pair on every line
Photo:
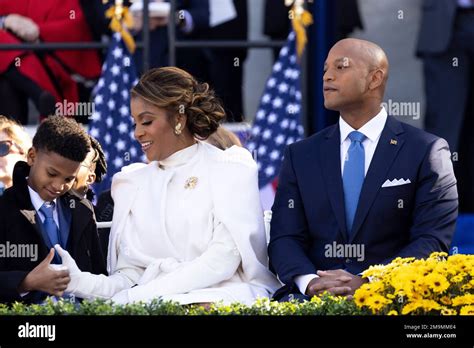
180, 157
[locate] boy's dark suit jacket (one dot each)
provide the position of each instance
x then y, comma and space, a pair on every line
19, 224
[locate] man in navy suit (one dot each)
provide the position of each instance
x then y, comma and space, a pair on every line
361, 192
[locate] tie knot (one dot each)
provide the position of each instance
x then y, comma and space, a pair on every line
356, 136
47, 209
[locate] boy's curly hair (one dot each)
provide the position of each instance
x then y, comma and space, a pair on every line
63, 136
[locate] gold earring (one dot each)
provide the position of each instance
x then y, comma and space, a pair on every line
177, 129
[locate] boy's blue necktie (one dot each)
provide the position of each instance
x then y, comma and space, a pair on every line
49, 225
353, 177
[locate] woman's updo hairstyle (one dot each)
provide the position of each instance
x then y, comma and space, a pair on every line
177, 92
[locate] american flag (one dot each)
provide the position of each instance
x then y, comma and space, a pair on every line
277, 122
111, 123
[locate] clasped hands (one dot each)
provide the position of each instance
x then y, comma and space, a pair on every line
336, 282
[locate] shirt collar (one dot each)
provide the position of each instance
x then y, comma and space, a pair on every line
371, 129
36, 200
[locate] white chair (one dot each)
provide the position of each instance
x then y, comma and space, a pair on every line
267, 218
104, 224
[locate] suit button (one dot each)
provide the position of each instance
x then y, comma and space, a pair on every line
348, 261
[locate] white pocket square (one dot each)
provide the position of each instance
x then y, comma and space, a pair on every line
396, 182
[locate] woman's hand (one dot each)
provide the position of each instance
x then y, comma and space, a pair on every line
74, 271
121, 297
23, 27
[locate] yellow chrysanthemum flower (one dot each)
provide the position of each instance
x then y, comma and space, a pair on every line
316, 299
427, 305
392, 312
377, 302
410, 307
437, 282
448, 311
467, 310
445, 300
457, 279
361, 295
467, 299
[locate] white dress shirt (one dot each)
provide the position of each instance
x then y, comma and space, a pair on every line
38, 202
372, 131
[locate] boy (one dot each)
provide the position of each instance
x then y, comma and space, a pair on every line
91, 171
38, 212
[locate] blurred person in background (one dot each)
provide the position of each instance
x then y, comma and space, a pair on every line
14, 144
44, 77
445, 44
222, 68
204, 20
191, 17
277, 24
223, 139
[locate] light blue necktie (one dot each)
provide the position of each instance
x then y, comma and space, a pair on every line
353, 176
49, 225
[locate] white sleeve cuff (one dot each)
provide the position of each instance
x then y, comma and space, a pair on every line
302, 281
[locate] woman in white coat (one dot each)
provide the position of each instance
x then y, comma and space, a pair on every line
188, 226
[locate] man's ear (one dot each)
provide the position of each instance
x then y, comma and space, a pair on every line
376, 79
90, 178
31, 156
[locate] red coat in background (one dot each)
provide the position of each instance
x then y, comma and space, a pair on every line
58, 21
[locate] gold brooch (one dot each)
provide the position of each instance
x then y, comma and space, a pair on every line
393, 142
191, 183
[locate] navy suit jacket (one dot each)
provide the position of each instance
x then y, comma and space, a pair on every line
414, 219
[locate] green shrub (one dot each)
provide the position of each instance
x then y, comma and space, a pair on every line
325, 305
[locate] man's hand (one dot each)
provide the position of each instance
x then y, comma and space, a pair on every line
349, 287
23, 27
45, 278
153, 22
336, 285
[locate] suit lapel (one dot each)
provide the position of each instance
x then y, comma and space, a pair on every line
331, 160
22, 199
390, 142
79, 218
36, 225
64, 217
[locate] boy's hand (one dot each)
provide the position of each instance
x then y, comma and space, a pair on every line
45, 278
